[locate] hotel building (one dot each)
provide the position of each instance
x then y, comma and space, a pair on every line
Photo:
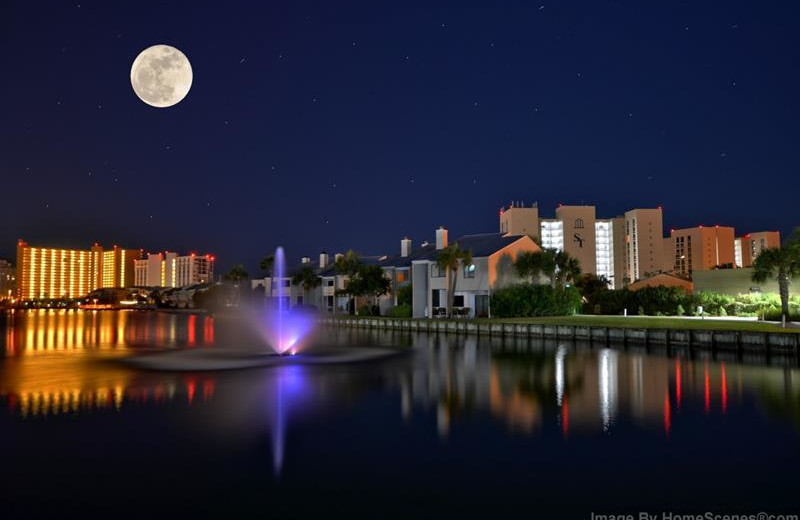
71, 273
698, 249
170, 270
749, 246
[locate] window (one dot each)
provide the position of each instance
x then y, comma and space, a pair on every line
437, 271
329, 283
469, 271
402, 276
458, 300
435, 298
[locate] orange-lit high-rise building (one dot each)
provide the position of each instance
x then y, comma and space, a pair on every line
71, 273
748, 247
699, 248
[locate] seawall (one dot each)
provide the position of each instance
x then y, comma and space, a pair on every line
764, 342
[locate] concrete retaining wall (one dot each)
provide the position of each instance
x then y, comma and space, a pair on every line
767, 342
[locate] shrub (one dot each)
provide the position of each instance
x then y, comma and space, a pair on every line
526, 300
405, 295
680, 311
400, 311
774, 314
369, 310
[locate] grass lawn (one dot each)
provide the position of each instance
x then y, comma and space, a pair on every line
651, 322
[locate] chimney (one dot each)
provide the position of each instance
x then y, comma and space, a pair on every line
405, 247
323, 260
441, 238
305, 260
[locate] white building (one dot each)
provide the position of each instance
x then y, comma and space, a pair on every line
492, 267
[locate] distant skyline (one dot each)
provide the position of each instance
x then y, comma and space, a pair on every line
322, 126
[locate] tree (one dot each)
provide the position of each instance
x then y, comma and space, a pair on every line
307, 278
267, 264
590, 285
451, 258
349, 264
568, 269
237, 274
559, 266
371, 282
781, 264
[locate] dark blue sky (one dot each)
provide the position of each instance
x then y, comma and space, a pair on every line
330, 125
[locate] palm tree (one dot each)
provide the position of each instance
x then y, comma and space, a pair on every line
559, 266
237, 274
781, 264
307, 278
267, 264
451, 258
568, 269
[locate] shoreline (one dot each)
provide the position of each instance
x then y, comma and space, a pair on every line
779, 341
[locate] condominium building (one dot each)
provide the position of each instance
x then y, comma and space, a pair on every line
644, 244
748, 247
170, 270
71, 273
699, 248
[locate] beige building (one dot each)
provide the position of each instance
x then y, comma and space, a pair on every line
170, 270
749, 246
644, 244
520, 220
699, 248
579, 234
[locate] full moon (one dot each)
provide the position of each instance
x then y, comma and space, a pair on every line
161, 76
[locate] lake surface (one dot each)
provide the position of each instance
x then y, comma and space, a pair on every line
447, 426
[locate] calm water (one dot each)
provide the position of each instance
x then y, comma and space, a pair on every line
450, 426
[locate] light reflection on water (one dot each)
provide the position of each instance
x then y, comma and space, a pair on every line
50, 365
62, 369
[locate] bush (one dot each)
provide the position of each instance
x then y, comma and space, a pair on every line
679, 310
369, 310
527, 300
400, 311
404, 295
774, 314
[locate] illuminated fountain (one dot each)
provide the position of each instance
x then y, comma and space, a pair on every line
285, 327
287, 332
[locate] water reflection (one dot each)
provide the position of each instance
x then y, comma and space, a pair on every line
59, 362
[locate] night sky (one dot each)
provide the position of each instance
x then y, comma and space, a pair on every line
335, 125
